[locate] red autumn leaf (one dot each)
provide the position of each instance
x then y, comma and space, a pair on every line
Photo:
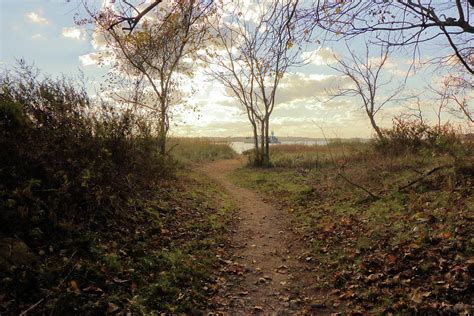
391, 260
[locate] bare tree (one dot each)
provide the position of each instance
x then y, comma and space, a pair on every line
454, 93
366, 75
402, 23
148, 62
254, 49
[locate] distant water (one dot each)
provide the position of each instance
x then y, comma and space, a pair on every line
240, 147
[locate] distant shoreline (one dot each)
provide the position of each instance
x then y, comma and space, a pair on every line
282, 139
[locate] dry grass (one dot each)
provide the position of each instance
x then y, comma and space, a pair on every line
190, 150
303, 156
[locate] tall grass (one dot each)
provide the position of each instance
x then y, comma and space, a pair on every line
314, 156
192, 150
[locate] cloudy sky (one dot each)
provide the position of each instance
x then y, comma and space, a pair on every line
43, 32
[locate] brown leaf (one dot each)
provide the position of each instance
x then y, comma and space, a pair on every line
93, 289
112, 308
445, 235
416, 296
391, 260
74, 286
165, 232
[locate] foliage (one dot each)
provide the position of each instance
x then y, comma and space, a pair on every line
60, 153
159, 259
148, 65
415, 135
94, 219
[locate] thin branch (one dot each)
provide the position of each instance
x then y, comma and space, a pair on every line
423, 176
133, 20
358, 186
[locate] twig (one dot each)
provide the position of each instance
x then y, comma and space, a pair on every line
268, 304
172, 147
358, 186
423, 176
25, 312
32, 307
339, 174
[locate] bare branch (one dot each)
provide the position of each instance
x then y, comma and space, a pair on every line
365, 74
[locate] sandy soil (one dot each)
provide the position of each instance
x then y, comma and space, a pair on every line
268, 271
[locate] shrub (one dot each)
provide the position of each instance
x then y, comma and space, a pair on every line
65, 158
415, 135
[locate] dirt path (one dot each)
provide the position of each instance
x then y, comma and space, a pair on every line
269, 268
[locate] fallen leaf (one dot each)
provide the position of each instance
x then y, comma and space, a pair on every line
93, 289
74, 286
391, 260
112, 308
416, 296
445, 235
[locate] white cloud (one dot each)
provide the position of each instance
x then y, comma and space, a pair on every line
300, 86
99, 59
73, 32
320, 56
89, 59
36, 18
38, 37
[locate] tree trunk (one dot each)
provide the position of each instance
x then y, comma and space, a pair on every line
262, 143
267, 145
162, 139
163, 129
255, 139
376, 128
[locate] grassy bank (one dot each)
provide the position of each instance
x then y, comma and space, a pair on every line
158, 258
385, 232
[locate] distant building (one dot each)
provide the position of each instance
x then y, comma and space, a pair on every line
272, 139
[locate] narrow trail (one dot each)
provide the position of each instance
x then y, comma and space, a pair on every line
271, 275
